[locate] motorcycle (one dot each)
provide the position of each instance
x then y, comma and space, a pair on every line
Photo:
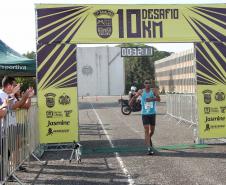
126, 109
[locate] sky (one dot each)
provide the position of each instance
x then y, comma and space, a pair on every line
17, 20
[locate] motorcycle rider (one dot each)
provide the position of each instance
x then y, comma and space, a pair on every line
132, 92
132, 96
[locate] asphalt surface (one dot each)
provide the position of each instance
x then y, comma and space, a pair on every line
103, 126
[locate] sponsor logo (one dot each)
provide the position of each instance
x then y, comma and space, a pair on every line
51, 131
104, 24
220, 96
211, 110
58, 123
54, 114
207, 96
210, 127
49, 114
207, 127
223, 109
13, 67
50, 99
64, 99
217, 118
67, 113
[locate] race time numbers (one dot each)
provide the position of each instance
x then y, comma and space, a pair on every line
137, 51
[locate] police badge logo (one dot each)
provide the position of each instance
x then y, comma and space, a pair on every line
104, 24
220, 96
50, 99
207, 96
64, 99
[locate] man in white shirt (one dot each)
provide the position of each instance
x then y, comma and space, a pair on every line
7, 93
3, 112
9, 89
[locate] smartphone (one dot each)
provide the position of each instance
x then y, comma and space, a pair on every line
10, 100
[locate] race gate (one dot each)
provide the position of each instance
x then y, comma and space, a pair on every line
61, 27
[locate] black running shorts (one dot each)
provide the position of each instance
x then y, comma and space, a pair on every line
149, 119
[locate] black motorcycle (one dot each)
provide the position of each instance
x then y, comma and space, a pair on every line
126, 109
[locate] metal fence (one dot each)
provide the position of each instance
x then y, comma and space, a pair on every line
19, 139
182, 107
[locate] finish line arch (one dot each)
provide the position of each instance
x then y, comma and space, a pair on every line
61, 27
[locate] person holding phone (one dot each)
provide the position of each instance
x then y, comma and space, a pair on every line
149, 96
8, 92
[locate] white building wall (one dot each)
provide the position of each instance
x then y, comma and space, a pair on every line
117, 72
95, 76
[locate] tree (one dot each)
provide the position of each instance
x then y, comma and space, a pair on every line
31, 55
27, 82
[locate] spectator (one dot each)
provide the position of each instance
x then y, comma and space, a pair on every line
22, 126
3, 111
8, 92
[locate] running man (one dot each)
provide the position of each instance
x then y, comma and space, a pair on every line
149, 96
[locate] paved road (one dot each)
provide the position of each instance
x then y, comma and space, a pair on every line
103, 125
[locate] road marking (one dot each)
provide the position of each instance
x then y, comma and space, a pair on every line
119, 159
223, 140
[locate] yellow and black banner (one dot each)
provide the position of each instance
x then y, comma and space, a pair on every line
59, 27
130, 23
211, 89
57, 93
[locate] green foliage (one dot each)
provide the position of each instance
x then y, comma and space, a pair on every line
26, 82
138, 69
31, 55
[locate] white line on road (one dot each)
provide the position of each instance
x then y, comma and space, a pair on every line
119, 159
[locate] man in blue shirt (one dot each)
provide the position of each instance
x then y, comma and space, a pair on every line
149, 96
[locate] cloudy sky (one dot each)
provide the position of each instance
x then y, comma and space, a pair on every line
17, 19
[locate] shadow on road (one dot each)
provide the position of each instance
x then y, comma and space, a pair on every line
106, 105
192, 154
98, 105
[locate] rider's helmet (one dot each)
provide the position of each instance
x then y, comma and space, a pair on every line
133, 88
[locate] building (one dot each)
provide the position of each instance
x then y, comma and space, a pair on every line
176, 73
100, 71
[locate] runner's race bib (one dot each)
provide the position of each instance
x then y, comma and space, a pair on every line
148, 106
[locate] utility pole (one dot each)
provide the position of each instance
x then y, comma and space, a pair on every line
108, 62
